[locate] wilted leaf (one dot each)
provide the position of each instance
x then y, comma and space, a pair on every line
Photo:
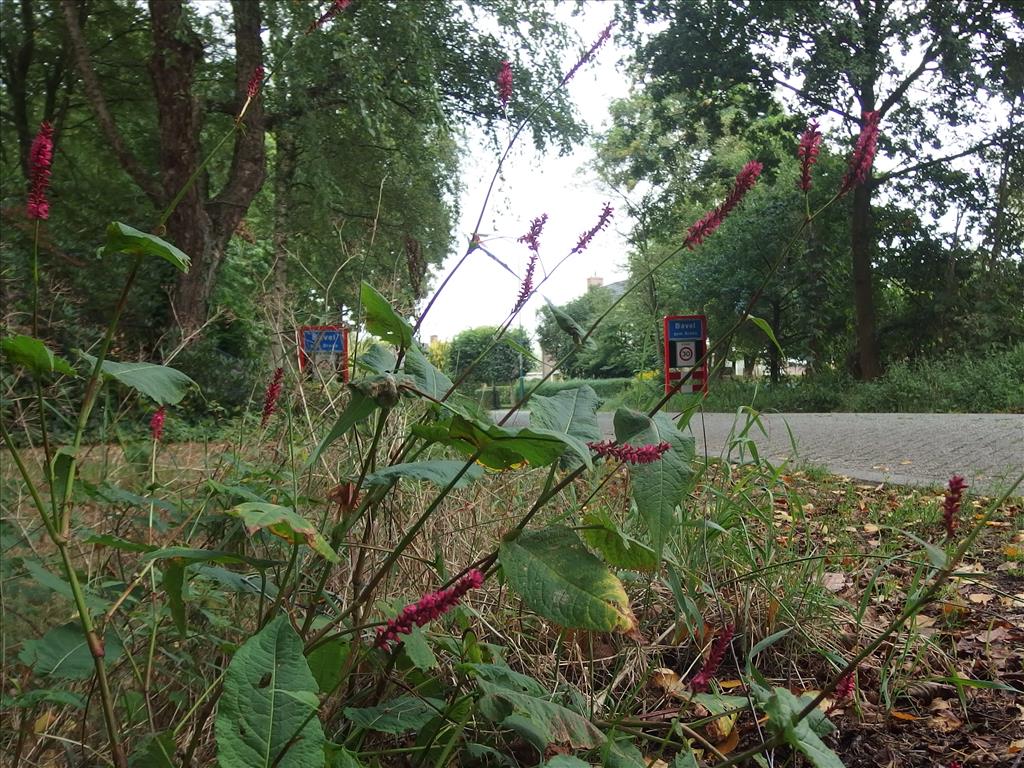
284, 523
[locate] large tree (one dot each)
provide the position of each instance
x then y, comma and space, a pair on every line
928, 69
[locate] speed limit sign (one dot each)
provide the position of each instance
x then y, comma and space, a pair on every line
686, 339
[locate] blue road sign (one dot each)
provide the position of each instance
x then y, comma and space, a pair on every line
689, 329
323, 341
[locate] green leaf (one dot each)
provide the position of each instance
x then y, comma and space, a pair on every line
154, 751
572, 412
781, 706
359, 407
382, 320
763, 325
29, 352
657, 488
327, 662
566, 323
397, 716
53, 582
565, 761
207, 556
339, 757
63, 652
440, 472
285, 523
166, 386
616, 548
62, 464
428, 379
558, 578
552, 721
116, 542
501, 447
124, 239
377, 359
173, 582
269, 694
418, 649
685, 759
936, 554
30, 699
767, 643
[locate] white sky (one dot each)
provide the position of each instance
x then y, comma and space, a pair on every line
482, 293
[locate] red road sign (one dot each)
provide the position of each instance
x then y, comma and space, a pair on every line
686, 342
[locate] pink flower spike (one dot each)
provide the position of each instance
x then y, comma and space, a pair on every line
156, 423
270, 397
429, 607
526, 289
590, 53
40, 157
863, 153
845, 687
721, 645
504, 82
745, 181
531, 237
337, 6
629, 454
602, 222
951, 504
807, 153
255, 82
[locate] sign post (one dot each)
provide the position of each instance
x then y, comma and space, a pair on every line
686, 341
323, 340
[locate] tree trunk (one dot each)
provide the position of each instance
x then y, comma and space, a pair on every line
863, 282
284, 178
201, 227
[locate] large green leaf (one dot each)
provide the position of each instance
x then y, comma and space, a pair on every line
269, 695
62, 652
285, 523
440, 472
501, 447
558, 578
52, 581
190, 555
617, 549
29, 352
382, 320
657, 488
551, 721
124, 239
428, 379
377, 359
165, 385
781, 706
572, 412
401, 715
358, 408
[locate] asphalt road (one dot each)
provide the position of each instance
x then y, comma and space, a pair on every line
902, 448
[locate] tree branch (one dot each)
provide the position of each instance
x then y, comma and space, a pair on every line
934, 161
810, 100
901, 89
99, 106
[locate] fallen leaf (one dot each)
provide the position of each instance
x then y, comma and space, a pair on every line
1015, 747
871, 528
834, 582
720, 729
730, 743
667, 680
981, 598
945, 722
902, 715
922, 622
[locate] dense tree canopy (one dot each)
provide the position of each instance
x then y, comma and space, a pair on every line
499, 363
936, 74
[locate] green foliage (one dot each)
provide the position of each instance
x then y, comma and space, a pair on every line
267, 714
162, 384
124, 239
499, 364
284, 523
33, 354
558, 578
64, 654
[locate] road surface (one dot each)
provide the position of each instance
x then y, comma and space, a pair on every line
902, 448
